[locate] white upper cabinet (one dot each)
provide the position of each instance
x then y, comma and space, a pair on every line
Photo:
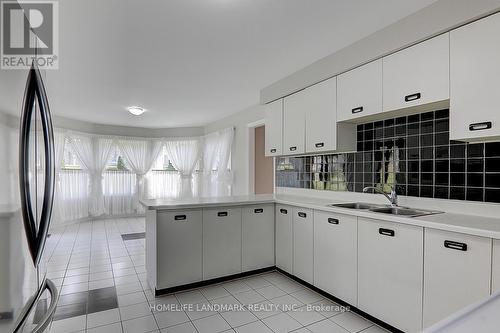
321, 116
475, 80
359, 92
294, 129
417, 75
274, 128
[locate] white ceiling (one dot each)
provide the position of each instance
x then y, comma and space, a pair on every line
190, 62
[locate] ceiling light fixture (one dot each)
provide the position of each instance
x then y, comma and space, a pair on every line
136, 110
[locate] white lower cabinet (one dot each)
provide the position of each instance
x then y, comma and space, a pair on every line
303, 250
390, 270
257, 237
495, 274
179, 259
456, 273
284, 238
221, 242
336, 255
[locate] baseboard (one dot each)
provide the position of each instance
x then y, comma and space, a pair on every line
341, 302
204, 283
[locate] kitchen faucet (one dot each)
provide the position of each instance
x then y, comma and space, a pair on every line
393, 198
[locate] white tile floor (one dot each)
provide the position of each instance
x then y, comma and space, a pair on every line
92, 255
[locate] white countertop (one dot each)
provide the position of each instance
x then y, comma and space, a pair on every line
468, 224
481, 317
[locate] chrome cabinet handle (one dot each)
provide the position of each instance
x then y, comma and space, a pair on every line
331, 220
283, 211
302, 214
480, 126
294, 148
222, 214
455, 245
412, 97
46, 319
357, 110
180, 217
258, 210
36, 236
319, 145
273, 150
386, 232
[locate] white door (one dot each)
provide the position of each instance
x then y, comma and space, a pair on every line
417, 75
475, 80
274, 128
321, 116
294, 128
359, 92
257, 237
390, 270
303, 250
284, 238
336, 255
457, 272
179, 248
495, 274
221, 242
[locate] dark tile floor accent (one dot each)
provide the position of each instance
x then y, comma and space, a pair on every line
77, 304
137, 235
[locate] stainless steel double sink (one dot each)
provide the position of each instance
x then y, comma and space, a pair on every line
391, 210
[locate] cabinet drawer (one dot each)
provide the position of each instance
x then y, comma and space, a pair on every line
417, 75
360, 92
390, 270
284, 238
179, 248
336, 255
303, 250
457, 272
257, 237
221, 242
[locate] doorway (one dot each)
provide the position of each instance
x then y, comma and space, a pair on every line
263, 166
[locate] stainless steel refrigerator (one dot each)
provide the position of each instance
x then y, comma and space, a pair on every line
27, 173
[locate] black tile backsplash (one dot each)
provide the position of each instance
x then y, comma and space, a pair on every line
414, 153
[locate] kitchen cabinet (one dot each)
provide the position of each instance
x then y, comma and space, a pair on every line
321, 116
495, 274
257, 237
274, 128
284, 238
417, 75
336, 255
457, 272
221, 242
303, 250
390, 270
294, 117
359, 92
180, 247
474, 80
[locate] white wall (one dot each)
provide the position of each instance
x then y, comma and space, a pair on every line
240, 162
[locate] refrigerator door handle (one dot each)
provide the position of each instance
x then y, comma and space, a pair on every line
36, 236
47, 318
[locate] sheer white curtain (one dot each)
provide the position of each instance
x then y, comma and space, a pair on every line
139, 155
59, 145
224, 174
119, 189
74, 194
185, 154
93, 153
163, 184
217, 176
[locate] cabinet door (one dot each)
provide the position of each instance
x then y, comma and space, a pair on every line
417, 75
257, 237
457, 272
274, 128
390, 270
336, 255
474, 80
359, 92
284, 238
303, 251
321, 116
495, 274
179, 248
294, 129
221, 242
